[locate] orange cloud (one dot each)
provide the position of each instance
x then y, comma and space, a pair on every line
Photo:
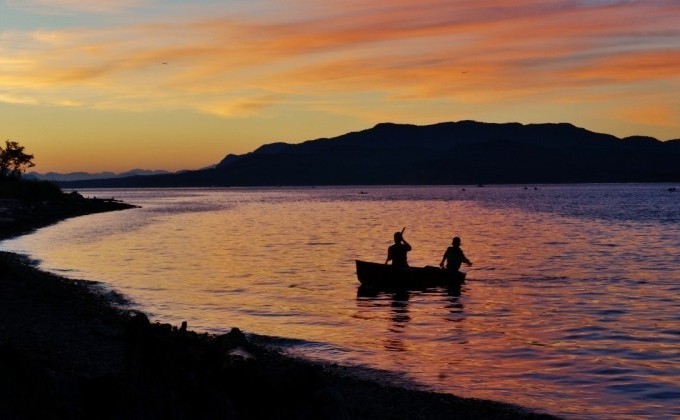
71, 6
631, 67
331, 55
651, 115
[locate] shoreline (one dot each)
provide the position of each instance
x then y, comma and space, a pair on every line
67, 352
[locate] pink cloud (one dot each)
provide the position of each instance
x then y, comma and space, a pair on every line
468, 50
75, 6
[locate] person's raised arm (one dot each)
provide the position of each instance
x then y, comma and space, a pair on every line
408, 247
466, 261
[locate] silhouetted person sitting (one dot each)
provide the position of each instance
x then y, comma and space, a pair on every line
454, 256
397, 251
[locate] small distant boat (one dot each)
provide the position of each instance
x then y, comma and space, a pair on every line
383, 276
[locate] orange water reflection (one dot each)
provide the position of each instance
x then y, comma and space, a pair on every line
557, 313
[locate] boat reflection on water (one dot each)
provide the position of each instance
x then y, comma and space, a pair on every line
396, 338
399, 317
372, 292
396, 314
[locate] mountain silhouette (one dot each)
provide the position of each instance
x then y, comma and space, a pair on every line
78, 176
465, 152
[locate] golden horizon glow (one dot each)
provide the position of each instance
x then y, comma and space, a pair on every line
160, 85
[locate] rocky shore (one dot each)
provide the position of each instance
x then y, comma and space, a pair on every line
66, 352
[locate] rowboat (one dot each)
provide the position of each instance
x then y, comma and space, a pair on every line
385, 276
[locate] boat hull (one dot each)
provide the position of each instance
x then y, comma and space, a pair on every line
385, 276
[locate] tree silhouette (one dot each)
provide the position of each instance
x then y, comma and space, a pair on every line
13, 160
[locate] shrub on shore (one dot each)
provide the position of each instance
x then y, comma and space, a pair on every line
13, 162
29, 190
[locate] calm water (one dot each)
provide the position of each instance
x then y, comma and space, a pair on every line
572, 306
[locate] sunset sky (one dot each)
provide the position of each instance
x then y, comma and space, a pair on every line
168, 84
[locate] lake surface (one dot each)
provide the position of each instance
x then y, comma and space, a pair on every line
572, 306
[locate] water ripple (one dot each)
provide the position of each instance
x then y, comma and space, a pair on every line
571, 305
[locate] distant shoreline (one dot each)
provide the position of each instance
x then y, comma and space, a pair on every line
67, 353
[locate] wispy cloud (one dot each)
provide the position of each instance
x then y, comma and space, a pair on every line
76, 6
652, 115
465, 51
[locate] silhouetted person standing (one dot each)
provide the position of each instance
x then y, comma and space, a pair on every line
397, 251
454, 256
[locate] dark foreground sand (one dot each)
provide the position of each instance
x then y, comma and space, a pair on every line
66, 352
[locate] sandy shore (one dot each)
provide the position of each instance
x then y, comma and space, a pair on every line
67, 352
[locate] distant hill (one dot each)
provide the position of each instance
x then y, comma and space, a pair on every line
80, 176
465, 152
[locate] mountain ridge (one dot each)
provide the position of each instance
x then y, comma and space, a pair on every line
463, 152
81, 175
